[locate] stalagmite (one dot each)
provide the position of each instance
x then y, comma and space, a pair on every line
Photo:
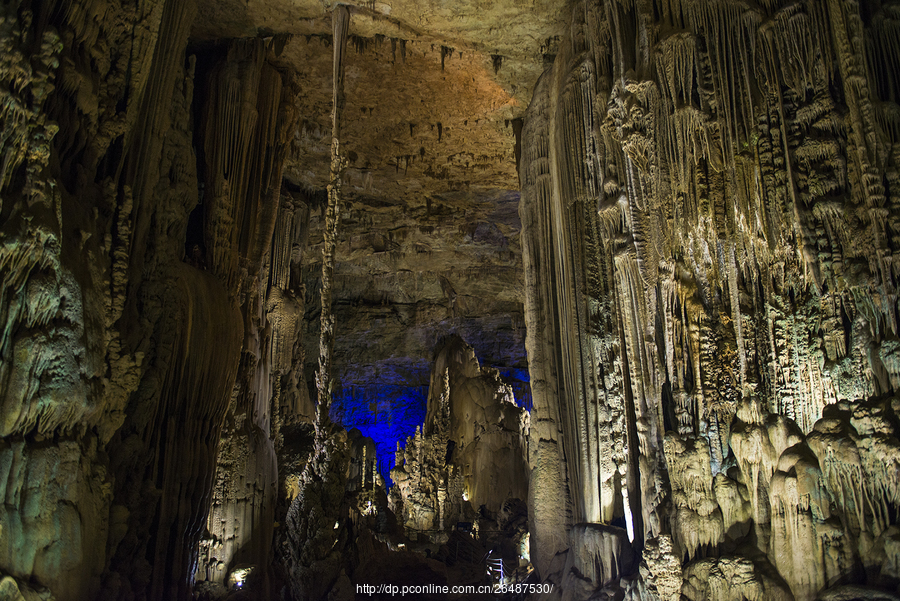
469, 458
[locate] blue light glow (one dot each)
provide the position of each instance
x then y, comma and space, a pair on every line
520, 381
390, 412
385, 414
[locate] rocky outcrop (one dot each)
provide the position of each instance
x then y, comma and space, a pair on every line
126, 309
709, 247
468, 458
339, 521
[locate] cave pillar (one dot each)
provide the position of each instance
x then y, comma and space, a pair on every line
245, 180
340, 17
547, 491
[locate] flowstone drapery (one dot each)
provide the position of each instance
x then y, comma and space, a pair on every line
711, 246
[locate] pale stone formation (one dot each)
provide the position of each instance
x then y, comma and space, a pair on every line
468, 459
340, 27
710, 240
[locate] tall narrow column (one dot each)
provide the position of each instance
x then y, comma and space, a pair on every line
340, 18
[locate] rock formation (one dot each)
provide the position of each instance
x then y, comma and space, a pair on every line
709, 237
685, 211
468, 458
131, 303
405, 278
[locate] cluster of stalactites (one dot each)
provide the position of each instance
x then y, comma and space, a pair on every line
709, 216
727, 119
720, 158
248, 114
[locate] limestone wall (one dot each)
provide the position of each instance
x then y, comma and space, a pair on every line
710, 234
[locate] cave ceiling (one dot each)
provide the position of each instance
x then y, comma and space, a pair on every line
428, 239
433, 89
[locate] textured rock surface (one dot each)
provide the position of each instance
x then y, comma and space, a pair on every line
107, 334
705, 261
469, 454
152, 279
244, 495
407, 275
710, 249
123, 325
432, 89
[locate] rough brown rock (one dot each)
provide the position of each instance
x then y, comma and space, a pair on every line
704, 271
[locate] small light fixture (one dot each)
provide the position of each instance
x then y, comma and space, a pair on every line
239, 576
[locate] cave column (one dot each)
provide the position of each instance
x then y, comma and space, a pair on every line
340, 18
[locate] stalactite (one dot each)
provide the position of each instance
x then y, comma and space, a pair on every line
340, 21
229, 144
33, 278
547, 490
807, 544
243, 218
743, 160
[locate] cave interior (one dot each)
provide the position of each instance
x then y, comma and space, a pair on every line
583, 300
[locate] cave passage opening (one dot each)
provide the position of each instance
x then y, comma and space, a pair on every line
428, 243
